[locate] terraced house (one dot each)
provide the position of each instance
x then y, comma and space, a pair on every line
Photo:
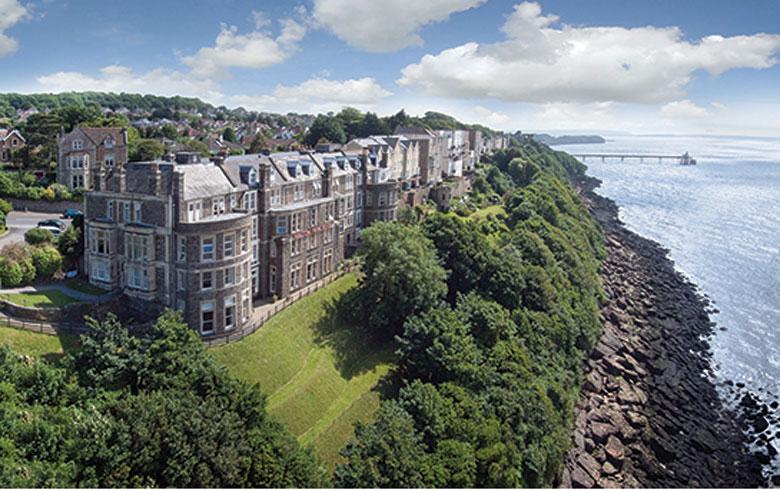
84, 152
175, 234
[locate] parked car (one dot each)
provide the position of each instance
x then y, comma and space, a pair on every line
53, 222
53, 229
71, 213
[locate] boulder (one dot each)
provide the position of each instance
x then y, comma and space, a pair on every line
590, 465
580, 479
601, 431
615, 451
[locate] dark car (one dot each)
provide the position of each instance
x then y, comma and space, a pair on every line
71, 213
53, 222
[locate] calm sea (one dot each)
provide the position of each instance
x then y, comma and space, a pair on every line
721, 221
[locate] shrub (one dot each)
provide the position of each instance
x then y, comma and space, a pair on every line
5, 207
10, 273
47, 261
37, 236
17, 257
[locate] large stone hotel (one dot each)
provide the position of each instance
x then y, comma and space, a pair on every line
207, 237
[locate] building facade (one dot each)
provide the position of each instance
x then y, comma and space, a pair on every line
84, 153
173, 234
10, 141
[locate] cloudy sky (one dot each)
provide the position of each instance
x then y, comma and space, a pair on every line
672, 66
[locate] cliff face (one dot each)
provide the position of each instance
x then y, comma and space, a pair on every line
649, 414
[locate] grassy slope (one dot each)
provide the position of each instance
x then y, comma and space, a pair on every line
320, 377
37, 344
39, 299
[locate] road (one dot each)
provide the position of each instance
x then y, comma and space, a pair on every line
19, 222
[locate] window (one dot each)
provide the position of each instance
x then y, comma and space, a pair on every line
137, 277
312, 217
227, 244
108, 161
137, 247
250, 201
244, 241
126, 212
273, 249
382, 198
348, 185
316, 189
245, 305
207, 317
255, 252
101, 270
233, 202
276, 197
101, 242
327, 236
110, 210
181, 280
206, 280
295, 247
207, 249
311, 270
295, 276
78, 144
298, 192
359, 179
281, 225
218, 206
295, 222
311, 242
137, 212
272, 279
109, 143
180, 305
254, 228
230, 312
327, 262
230, 276
193, 212
77, 161
77, 181
182, 251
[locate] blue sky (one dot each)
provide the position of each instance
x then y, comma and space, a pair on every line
661, 66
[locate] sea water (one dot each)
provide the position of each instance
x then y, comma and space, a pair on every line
720, 220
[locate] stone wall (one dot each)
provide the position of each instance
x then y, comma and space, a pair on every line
43, 206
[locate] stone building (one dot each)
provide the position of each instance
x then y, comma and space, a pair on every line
84, 152
10, 141
433, 152
173, 234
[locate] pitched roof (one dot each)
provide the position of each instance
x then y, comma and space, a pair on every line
204, 180
99, 135
6, 133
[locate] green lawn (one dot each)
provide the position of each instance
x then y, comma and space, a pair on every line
320, 377
489, 211
37, 344
39, 299
84, 287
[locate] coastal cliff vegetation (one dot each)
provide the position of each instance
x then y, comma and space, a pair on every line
492, 316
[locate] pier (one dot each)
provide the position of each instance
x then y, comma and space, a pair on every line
683, 159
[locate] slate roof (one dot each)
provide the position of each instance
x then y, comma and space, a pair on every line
203, 180
99, 135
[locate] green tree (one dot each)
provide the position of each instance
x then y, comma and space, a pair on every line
402, 276
197, 146
229, 134
146, 150
327, 128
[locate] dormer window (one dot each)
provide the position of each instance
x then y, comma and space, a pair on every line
252, 177
78, 144
109, 143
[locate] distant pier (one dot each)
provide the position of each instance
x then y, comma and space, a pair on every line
684, 159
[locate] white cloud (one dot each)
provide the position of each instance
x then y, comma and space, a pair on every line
488, 117
11, 12
541, 63
116, 78
257, 49
683, 109
316, 95
384, 26
261, 19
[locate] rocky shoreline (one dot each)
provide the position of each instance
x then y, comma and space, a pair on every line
649, 414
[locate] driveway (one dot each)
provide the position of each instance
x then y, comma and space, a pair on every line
19, 222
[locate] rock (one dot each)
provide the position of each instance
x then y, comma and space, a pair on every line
608, 468
593, 382
565, 479
602, 431
615, 451
590, 465
760, 425
608, 483
580, 479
